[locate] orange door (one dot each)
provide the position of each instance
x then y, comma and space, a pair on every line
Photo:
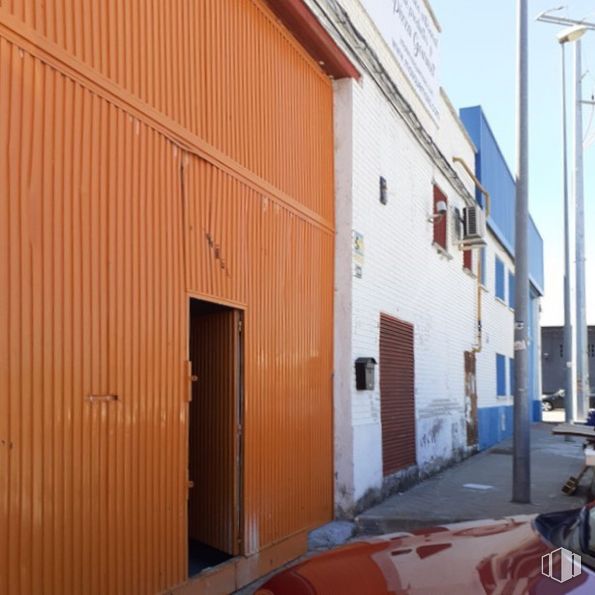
213, 508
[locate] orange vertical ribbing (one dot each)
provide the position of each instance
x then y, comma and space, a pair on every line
89, 273
109, 219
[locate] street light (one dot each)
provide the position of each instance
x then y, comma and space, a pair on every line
573, 34
582, 361
569, 35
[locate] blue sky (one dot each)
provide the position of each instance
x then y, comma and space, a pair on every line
477, 66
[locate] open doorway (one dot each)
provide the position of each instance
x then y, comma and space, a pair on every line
214, 438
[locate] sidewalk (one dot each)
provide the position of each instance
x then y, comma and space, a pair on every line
445, 499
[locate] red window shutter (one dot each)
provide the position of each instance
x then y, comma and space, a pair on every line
468, 260
397, 394
439, 221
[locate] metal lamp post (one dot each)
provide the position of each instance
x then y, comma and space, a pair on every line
582, 361
577, 404
567, 36
521, 471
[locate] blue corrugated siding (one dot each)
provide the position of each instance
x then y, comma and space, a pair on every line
536, 269
494, 174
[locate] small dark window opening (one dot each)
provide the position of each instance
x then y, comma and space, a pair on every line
561, 350
468, 260
383, 190
440, 220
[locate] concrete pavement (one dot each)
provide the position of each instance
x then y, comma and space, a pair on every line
481, 487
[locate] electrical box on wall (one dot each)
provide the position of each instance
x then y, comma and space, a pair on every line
364, 373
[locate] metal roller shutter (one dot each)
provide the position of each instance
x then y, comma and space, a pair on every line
397, 399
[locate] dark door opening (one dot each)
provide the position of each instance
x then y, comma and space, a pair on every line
214, 518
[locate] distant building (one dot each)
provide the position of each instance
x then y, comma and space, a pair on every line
495, 413
553, 361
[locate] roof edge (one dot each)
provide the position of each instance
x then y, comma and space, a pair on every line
297, 17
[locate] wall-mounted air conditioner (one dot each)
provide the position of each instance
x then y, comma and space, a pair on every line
474, 226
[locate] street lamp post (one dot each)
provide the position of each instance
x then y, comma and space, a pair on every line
577, 402
567, 36
521, 474
582, 362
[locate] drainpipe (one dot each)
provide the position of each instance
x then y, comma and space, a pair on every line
479, 186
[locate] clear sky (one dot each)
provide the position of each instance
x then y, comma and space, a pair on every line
478, 67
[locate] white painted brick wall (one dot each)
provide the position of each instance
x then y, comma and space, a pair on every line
498, 329
404, 275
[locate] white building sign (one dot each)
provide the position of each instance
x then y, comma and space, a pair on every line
411, 32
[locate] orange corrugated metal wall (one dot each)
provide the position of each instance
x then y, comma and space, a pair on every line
280, 265
91, 277
96, 195
223, 69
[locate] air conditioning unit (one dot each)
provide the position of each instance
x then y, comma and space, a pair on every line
474, 226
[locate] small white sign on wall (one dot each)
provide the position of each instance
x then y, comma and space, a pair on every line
410, 30
358, 254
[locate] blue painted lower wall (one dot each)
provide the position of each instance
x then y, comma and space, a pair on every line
495, 423
536, 410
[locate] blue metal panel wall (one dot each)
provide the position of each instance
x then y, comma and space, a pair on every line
536, 273
494, 424
534, 355
494, 174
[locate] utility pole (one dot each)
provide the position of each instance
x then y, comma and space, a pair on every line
568, 372
582, 363
576, 29
521, 474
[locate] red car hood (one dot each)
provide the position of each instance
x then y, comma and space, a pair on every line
489, 556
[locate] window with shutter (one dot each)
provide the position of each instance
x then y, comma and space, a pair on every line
440, 220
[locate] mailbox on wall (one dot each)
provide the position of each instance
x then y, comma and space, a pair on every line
364, 373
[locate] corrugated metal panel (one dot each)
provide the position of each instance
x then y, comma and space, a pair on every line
492, 170
93, 491
397, 394
226, 70
95, 204
536, 265
213, 501
250, 249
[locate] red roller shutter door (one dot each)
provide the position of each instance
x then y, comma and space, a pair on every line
397, 399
